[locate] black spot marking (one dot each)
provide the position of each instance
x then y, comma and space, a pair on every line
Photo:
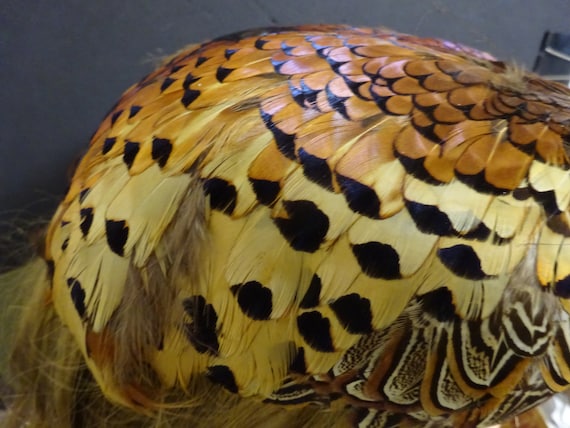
479, 183
306, 225
377, 260
298, 365
161, 149
313, 294
353, 85
259, 43
321, 48
223, 195
77, 295
287, 49
559, 224
266, 191
134, 110
463, 261
222, 375
285, 142
108, 145
201, 60
130, 152
416, 168
482, 233
316, 169
201, 332
315, 329
522, 193
278, 64
222, 73
305, 96
529, 149
354, 313
65, 244
115, 116
337, 102
190, 95
117, 234
83, 194
86, 215
381, 101
430, 219
439, 304
428, 131
254, 299
166, 83
229, 53
324, 51
188, 80
548, 201
562, 288
360, 198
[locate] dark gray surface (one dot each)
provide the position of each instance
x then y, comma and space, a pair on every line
63, 64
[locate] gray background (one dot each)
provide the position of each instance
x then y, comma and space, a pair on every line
64, 63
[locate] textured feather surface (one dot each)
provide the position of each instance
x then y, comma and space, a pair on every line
326, 212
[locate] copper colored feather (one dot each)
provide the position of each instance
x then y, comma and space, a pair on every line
327, 215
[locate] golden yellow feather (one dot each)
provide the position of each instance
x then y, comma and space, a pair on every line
364, 227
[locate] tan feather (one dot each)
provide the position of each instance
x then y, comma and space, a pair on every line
349, 217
